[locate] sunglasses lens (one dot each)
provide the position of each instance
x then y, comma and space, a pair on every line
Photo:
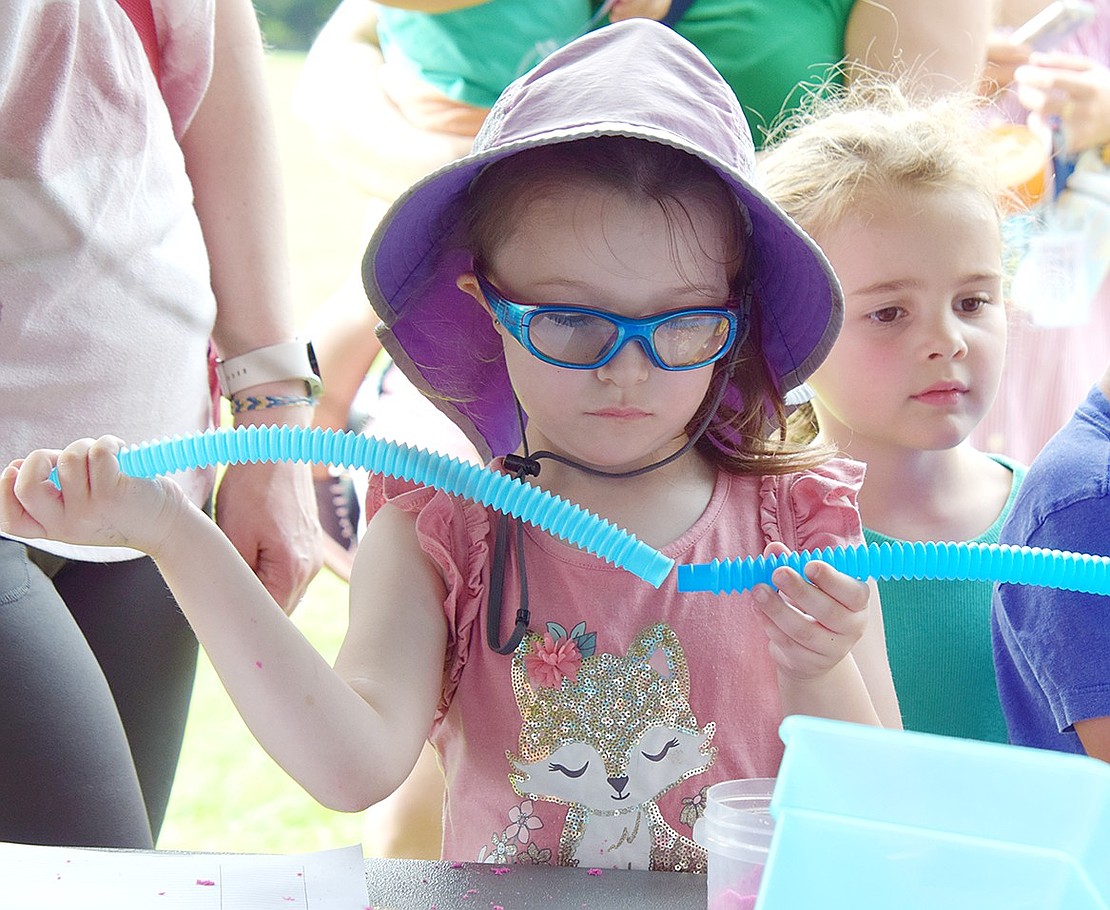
691, 339
576, 339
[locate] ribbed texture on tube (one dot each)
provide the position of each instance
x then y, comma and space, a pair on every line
1058, 569
345, 449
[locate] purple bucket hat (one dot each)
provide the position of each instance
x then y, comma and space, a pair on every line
637, 79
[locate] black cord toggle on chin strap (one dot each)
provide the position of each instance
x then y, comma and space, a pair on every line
521, 466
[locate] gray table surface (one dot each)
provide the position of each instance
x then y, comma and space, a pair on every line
394, 884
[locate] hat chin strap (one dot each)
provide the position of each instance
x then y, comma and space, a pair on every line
521, 465
528, 465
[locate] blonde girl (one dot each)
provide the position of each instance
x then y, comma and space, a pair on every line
902, 200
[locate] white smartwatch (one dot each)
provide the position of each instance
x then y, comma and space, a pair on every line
275, 363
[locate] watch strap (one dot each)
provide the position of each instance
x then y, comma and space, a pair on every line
274, 363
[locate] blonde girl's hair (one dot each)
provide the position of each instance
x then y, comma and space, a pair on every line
873, 139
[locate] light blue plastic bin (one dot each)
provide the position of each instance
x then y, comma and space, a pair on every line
873, 819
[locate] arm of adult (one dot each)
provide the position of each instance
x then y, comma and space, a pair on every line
943, 44
267, 510
363, 133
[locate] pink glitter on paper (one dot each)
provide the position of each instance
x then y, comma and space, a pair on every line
456, 865
593, 872
207, 882
500, 870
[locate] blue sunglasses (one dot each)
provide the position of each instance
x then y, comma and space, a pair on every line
582, 338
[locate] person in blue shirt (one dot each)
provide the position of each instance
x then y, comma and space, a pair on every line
1052, 647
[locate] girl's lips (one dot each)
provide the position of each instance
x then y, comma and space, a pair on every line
620, 413
941, 395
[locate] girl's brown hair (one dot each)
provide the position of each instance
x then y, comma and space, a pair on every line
748, 432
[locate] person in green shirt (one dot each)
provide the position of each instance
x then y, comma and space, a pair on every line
772, 52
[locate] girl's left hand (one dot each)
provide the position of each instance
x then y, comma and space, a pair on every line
639, 9
812, 622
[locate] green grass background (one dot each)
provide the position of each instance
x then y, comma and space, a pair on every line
229, 795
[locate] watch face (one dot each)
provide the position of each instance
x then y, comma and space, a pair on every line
312, 359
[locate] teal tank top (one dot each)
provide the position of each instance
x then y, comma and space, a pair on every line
472, 54
938, 641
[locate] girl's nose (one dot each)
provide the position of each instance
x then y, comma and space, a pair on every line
947, 338
630, 365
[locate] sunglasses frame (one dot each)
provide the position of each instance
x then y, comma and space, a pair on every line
516, 317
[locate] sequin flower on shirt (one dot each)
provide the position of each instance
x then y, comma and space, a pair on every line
500, 853
551, 661
693, 807
522, 821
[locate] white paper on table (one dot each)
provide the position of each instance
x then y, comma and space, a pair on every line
72, 878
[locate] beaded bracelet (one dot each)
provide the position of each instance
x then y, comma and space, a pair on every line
262, 402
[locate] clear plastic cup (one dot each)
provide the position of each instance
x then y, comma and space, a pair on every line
736, 833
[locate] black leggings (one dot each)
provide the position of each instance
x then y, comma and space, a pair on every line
96, 672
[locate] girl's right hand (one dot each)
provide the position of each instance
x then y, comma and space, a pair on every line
813, 620
96, 505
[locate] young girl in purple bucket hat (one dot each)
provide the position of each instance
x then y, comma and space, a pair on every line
602, 300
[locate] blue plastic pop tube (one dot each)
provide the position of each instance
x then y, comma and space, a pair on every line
901, 559
572, 523
501, 492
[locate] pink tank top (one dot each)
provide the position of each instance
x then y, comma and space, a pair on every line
595, 742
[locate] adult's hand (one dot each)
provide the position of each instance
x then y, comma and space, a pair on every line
268, 511
1072, 87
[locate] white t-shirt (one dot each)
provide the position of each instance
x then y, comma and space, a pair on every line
106, 306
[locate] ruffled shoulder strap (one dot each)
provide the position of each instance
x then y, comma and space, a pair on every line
813, 508
454, 532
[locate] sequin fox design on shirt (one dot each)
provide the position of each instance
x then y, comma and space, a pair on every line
607, 735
